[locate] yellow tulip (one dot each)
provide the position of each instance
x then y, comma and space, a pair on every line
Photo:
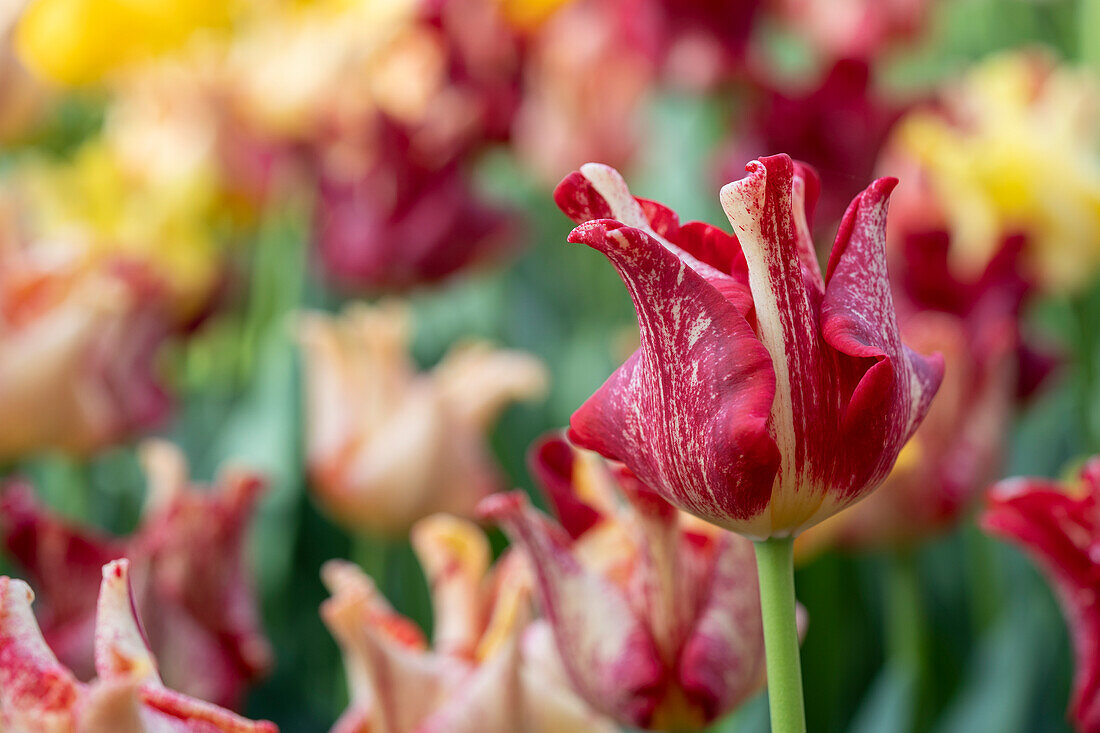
1015, 151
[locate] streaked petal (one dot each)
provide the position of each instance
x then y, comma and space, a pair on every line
605, 647
708, 450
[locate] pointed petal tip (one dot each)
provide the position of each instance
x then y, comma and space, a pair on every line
502, 506
594, 233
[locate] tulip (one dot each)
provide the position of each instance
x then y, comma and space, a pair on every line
387, 445
200, 614
38, 693
487, 670
656, 614
76, 368
400, 223
1057, 524
764, 397
969, 166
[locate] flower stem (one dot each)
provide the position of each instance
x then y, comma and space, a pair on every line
775, 566
905, 617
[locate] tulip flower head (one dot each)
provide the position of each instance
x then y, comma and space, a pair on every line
388, 445
487, 671
1059, 526
764, 396
79, 339
656, 614
191, 586
37, 693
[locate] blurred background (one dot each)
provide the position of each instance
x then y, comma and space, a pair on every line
318, 240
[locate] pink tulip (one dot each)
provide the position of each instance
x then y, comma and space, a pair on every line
656, 614
38, 693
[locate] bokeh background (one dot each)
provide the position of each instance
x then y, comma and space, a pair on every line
300, 192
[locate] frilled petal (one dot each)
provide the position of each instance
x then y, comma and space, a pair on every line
605, 647
455, 556
36, 691
555, 464
389, 674
1058, 526
489, 701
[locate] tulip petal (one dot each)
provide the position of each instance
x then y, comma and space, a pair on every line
553, 463
722, 662
121, 649
721, 461
455, 556
486, 702
1059, 528
36, 691
767, 211
604, 645
387, 669
891, 386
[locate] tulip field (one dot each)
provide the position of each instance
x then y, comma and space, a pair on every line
550, 366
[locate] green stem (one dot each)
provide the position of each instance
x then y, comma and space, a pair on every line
905, 637
775, 565
1088, 24
905, 618
372, 554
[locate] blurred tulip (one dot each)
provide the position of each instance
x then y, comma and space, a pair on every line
488, 671
192, 587
387, 445
79, 337
403, 224
702, 42
766, 410
1057, 525
379, 106
585, 84
160, 218
1010, 149
854, 28
74, 42
656, 614
837, 125
38, 694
